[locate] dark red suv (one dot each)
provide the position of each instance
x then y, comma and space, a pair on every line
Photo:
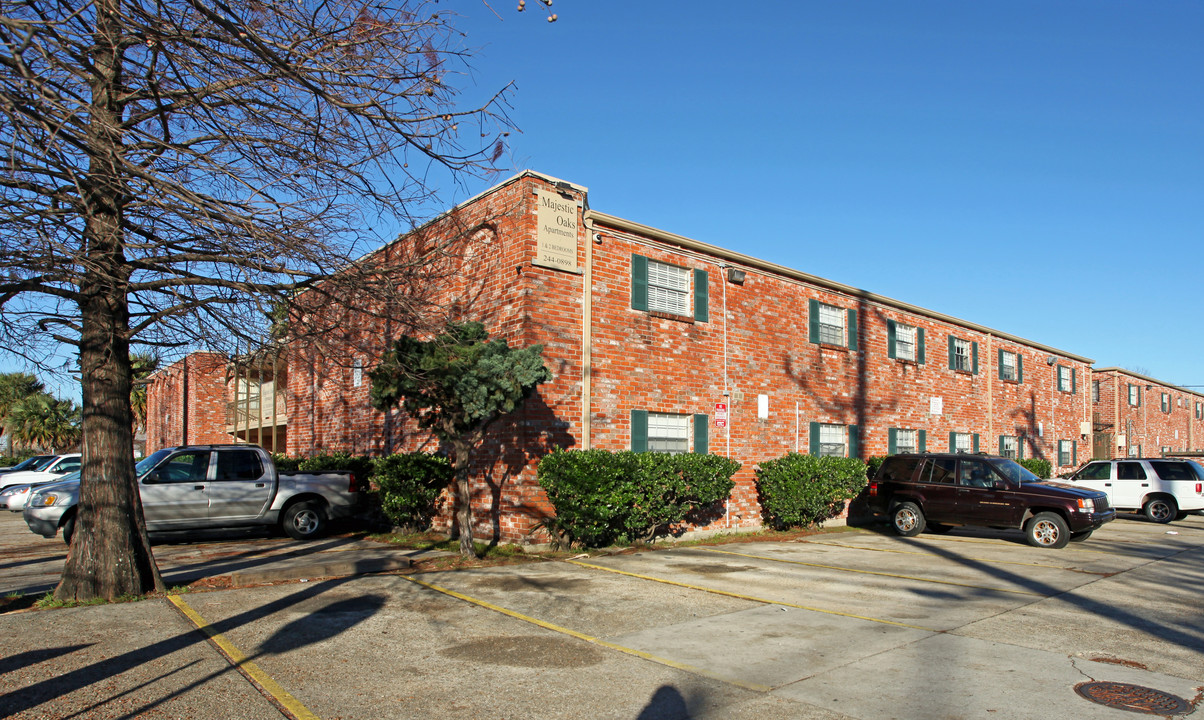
938, 491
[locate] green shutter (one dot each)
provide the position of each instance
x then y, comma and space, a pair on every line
639, 282
813, 321
1020, 447
892, 441
813, 445
952, 441
701, 313
975, 445
952, 355
854, 442
701, 427
1074, 383
852, 330
1001, 437
920, 345
890, 344
1000, 366
974, 357
1019, 367
923, 441
639, 431
1074, 452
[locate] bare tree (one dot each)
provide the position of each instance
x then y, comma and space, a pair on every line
175, 169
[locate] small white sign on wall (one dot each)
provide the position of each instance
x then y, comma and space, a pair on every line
762, 407
936, 406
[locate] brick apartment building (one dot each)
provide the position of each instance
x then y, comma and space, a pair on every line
1138, 416
660, 342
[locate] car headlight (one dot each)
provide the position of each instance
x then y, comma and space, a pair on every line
42, 500
14, 490
1086, 505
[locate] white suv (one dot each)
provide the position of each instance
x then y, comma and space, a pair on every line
1163, 489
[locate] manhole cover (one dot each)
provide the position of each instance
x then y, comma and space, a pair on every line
1132, 697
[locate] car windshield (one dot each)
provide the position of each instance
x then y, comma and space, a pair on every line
1014, 471
150, 461
35, 463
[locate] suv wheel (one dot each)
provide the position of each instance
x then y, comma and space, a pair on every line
1161, 510
907, 519
1047, 530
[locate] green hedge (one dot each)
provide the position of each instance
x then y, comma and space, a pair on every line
798, 490
1037, 466
406, 486
601, 497
409, 487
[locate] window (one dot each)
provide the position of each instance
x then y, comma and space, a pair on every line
830, 325
1009, 446
1095, 391
1134, 395
1068, 452
963, 355
976, 473
668, 288
904, 440
357, 372
1130, 470
239, 465
829, 440
1166, 403
1097, 471
1010, 367
939, 470
668, 432
1200, 410
661, 287
963, 442
904, 342
1066, 379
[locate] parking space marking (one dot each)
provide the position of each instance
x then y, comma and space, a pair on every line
976, 559
277, 694
875, 572
752, 598
587, 638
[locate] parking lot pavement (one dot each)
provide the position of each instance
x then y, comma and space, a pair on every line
858, 624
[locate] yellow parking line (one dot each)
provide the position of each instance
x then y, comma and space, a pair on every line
751, 598
587, 638
874, 572
277, 694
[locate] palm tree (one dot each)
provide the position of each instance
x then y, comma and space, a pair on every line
46, 421
143, 366
15, 387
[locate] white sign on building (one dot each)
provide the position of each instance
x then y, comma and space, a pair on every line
556, 236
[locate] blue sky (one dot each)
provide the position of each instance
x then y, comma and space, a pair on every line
1036, 167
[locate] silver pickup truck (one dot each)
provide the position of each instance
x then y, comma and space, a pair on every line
212, 486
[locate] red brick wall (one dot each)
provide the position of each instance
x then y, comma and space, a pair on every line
1146, 426
186, 403
641, 361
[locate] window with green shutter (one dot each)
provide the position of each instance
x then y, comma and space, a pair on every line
661, 287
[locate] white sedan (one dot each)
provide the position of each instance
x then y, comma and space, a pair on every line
14, 497
56, 469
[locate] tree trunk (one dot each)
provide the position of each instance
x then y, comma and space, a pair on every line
110, 554
460, 447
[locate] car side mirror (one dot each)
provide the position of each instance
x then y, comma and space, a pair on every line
152, 477
1000, 484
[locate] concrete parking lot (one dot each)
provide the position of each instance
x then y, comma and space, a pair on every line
855, 624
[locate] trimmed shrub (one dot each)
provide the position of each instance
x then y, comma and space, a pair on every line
872, 464
1037, 466
603, 497
409, 486
798, 490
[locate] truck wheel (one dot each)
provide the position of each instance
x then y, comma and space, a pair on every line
907, 519
1160, 509
304, 520
1047, 530
69, 529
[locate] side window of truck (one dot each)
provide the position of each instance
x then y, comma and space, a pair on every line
1172, 470
899, 469
239, 465
185, 467
1097, 471
1129, 471
939, 470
